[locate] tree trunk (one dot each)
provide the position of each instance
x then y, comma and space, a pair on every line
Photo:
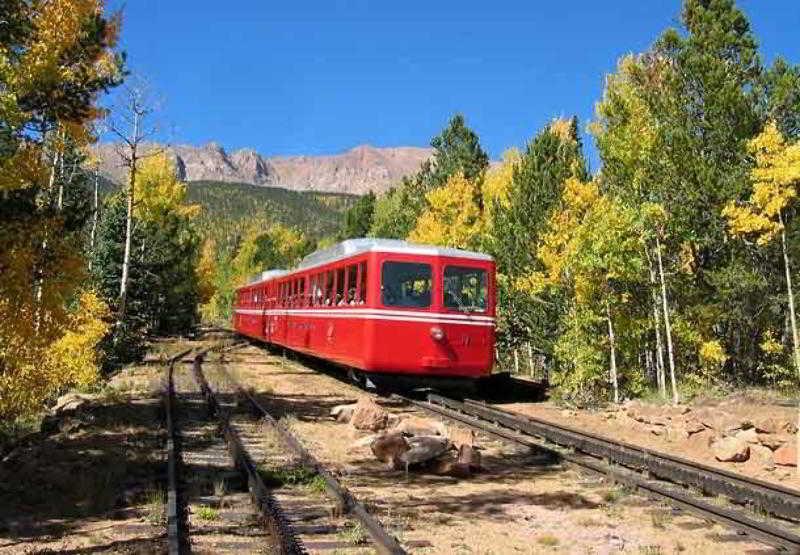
126, 259
612, 344
661, 378
667, 327
61, 182
95, 215
790, 295
793, 321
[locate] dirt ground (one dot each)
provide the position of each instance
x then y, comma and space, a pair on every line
521, 503
91, 485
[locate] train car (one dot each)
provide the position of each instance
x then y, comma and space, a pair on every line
381, 308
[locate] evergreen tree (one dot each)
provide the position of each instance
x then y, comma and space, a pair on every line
456, 149
358, 218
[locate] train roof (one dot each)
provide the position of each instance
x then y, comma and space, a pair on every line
352, 247
269, 274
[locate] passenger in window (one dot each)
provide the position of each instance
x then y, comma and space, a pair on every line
351, 296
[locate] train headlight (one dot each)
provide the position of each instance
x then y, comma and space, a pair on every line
437, 333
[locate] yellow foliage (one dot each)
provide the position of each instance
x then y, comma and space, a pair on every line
775, 179
58, 26
453, 218
497, 182
556, 247
769, 345
624, 126
206, 270
37, 368
75, 354
686, 258
158, 191
712, 354
563, 129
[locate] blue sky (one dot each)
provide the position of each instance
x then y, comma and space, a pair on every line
320, 77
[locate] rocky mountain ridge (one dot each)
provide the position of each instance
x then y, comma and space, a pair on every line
355, 171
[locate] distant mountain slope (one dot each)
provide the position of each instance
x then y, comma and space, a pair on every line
356, 171
227, 207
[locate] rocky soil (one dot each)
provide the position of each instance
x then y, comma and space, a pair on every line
742, 435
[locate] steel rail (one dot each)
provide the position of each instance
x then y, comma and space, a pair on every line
277, 523
495, 425
175, 523
772, 498
346, 503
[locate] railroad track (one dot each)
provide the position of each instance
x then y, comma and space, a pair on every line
659, 475
205, 472
296, 519
344, 501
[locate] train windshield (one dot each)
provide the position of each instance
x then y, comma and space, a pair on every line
406, 284
465, 288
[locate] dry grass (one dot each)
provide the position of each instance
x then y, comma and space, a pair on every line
155, 506
204, 512
548, 540
353, 533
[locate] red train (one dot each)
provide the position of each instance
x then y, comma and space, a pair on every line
382, 308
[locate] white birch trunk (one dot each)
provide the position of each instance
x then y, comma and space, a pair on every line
126, 259
613, 347
667, 327
95, 215
659, 358
793, 321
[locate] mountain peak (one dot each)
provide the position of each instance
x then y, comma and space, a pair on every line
357, 171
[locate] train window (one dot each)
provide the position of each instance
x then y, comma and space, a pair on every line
406, 284
361, 295
328, 292
350, 289
465, 288
302, 292
340, 287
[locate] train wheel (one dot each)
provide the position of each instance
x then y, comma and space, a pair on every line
357, 378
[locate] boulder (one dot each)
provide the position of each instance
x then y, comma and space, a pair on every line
789, 426
772, 441
71, 402
416, 426
461, 436
647, 414
767, 425
786, 455
388, 448
423, 449
677, 432
470, 457
762, 455
748, 436
702, 440
363, 442
693, 426
719, 420
343, 413
368, 416
731, 449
